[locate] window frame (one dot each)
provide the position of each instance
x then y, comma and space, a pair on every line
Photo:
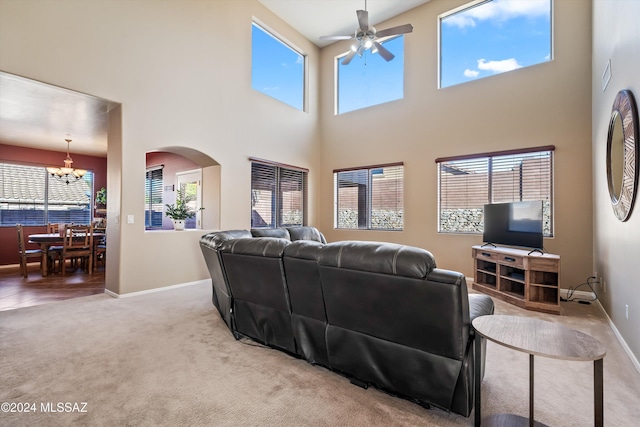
442, 161
479, 3
46, 202
276, 205
337, 64
149, 193
305, 63
367, 198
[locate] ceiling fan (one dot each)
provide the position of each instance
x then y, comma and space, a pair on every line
366, 37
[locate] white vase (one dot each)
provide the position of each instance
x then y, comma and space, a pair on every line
178, 224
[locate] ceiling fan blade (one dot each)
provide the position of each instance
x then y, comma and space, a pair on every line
384, 52
335, 37
349, 57
363, 19
400, 29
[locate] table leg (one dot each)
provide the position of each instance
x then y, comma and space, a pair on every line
477, 373
531, 422
598, 402
44, 264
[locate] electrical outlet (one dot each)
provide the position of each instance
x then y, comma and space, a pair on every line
626, 311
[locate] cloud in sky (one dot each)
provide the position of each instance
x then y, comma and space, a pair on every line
498, 66
499, 11
471, 73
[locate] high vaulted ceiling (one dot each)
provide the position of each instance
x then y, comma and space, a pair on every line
315, 18
39, 115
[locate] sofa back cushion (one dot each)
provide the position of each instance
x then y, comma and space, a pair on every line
221, 295
303, 279
280, 233
308, 316
374, 257
306, 233
261, 300
386, 291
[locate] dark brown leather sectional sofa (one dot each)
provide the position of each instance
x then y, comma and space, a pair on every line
379, 313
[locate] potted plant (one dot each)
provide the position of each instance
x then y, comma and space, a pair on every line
101, 198
180, 211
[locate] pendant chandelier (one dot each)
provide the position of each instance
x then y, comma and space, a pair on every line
67, 172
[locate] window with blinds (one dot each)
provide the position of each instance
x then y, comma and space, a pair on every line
30, 196
153, 207
278, 195
370, 197
467, 183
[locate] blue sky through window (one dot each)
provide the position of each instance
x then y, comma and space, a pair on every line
370, 80
276, 69
492, 38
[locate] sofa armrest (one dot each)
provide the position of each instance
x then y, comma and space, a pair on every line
480, 305
216, 239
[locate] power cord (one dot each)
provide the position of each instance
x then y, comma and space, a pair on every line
590, 281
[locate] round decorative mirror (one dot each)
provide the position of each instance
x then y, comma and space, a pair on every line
622, 154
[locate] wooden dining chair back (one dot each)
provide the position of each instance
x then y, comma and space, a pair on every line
25, 253
100, 252
77, 246
53, 228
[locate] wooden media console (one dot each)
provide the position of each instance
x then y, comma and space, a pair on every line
528, 280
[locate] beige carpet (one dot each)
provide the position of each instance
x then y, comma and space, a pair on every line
166, 358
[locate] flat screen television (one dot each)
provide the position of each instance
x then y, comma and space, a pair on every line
514, 224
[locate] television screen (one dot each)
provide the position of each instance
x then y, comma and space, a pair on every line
514, 224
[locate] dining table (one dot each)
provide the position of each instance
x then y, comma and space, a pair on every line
47, 240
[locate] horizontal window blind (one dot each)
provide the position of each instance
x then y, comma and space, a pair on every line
467, 183
30, 196
153, 205
369, 198
278, 196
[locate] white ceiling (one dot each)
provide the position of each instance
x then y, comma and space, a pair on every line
315, 18
40, 115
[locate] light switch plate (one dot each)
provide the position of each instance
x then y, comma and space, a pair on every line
129, 219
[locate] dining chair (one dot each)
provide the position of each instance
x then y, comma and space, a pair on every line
53, 252
25, 253
77, 246
100, 252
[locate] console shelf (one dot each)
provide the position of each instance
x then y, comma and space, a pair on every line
527, 280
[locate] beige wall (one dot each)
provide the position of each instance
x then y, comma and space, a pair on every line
616, 37
182, 73
546, 104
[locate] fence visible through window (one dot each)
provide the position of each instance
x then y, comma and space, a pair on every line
467, 183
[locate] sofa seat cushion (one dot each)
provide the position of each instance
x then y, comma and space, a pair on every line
375, 257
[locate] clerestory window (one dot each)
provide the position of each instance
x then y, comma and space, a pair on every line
484, 38
277, 69
370, 80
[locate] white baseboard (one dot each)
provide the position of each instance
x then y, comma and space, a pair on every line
623, 343
583, 295
579, 295
148, 291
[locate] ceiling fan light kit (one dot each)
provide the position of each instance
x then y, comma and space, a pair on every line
366, 38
